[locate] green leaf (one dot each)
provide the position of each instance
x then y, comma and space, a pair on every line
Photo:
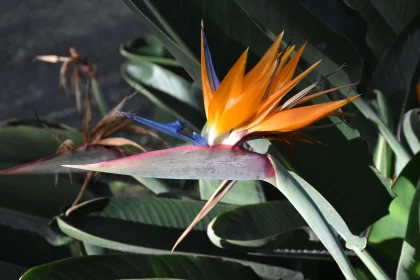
167, 90
159, 78
397, 73
379, 34
262, 227
339, 176
387, 233
382, 156
31, 206
29, 202
314, 212
301, 25
139, 266
142, 223
229, 30
23, 143
147, 48
409, 264
99, 97
188, 61
290, 16
338, 16
157, 186
397, 13
150, 225
243, 192
411, 129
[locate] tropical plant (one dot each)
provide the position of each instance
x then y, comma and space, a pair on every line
348, 184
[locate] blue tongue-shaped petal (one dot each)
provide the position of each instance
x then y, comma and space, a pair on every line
214, 81
172, 128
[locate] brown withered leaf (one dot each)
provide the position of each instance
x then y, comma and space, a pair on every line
82, 68
118, 141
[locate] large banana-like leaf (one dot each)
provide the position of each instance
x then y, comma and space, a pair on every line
397, 72
151, 225
263, 227
140, 266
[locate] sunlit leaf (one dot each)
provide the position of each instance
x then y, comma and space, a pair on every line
387, 233
411, 129
409, 264
382, 156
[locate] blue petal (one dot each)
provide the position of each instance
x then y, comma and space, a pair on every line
172, 128
214, 81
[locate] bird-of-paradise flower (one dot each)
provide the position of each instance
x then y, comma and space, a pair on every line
240, 108
249, 106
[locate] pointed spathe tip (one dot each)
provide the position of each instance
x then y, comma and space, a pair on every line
72, 166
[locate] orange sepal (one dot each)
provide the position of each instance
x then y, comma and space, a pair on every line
286, 74
298, 118
231, 84
264, 64
273, 100
238, 110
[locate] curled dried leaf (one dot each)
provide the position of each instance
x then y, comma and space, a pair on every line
118, 141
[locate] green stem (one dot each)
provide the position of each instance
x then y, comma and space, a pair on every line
97, 93
371, 264
310, 212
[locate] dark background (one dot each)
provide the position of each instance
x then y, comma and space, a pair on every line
29, 28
